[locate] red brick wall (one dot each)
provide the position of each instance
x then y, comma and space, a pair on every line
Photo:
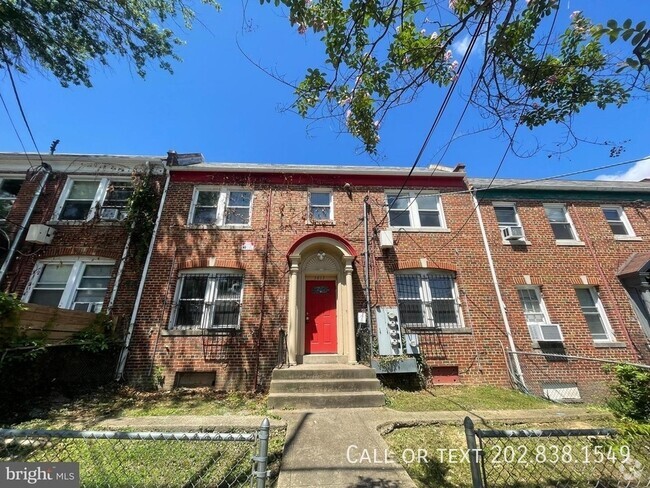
478, 355
558, 269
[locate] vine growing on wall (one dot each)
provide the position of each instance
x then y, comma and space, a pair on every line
142, 209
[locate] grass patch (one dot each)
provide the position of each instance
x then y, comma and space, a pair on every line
116, 402
447, 398
439, 470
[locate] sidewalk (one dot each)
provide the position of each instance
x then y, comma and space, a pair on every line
343, 448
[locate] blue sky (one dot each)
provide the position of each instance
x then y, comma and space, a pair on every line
220, 104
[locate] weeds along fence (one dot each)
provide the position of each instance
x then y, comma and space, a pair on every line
578, 458
564, 378
147, 459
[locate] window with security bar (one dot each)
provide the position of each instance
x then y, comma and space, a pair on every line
428, 301
208, 301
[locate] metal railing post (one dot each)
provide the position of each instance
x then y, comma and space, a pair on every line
470, 437
262, 457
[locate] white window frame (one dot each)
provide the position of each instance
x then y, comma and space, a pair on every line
631, 235
533, 330
98, 199
567, 242
426, 297
208, 299
12, 200
413, 211
517, 222
310, 217
79, 264
601, 312
224, 193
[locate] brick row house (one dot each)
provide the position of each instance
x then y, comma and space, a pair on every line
66, 244
254, 265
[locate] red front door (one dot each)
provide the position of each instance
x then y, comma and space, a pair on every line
320, 317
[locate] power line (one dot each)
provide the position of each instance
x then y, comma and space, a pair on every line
441, 110
512, 137
20, 105
16, 130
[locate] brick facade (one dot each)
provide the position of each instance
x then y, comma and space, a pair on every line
263, 252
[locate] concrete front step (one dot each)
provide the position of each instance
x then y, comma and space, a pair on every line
326, 400
324, 359
324, 385
324, 372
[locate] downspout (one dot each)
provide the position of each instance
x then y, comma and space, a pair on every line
127, 342
515, 359
263, 291
367, 277
23, 225
118, 277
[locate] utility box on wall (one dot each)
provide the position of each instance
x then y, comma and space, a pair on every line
389, 337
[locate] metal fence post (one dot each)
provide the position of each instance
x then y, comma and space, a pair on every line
470, 437
262, 457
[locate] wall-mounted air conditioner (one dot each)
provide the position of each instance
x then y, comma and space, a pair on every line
40, 234
512, 233
386, 239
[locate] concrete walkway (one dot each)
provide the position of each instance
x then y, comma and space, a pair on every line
343, 448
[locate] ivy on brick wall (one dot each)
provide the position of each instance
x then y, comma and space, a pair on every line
142, 209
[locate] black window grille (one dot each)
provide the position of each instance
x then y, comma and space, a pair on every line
428, 301
209, 301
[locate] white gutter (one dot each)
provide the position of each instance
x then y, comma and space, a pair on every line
502, 306
127, 342
24, 223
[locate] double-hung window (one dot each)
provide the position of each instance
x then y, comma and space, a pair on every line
208, 300
9, 189
539, 325
592, 309
413, 209
321, 207
560, 222
81, 199
428, 300
71, 283
618, 222
221, 207
508, 220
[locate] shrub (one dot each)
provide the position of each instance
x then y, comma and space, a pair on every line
632, 393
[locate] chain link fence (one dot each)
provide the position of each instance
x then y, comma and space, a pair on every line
147, 459
577, 458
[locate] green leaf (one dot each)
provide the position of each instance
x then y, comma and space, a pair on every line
638, 38
627, 24
627, 34
640, 25
611, 23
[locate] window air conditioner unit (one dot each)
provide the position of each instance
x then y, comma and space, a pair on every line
513, 233
548, 333
110, 214
40, 234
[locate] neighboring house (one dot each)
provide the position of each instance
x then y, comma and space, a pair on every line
571, 260
71, 252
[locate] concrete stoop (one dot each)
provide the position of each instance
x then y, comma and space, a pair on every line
329, 385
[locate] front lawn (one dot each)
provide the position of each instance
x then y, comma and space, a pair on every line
115, 402
448, 398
